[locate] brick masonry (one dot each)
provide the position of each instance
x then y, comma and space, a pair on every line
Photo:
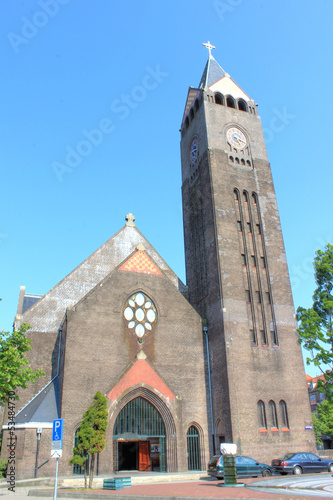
223, 260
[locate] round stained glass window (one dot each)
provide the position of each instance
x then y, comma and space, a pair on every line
140, 314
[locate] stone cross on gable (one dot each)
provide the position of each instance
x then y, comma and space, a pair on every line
130, 220
209, 47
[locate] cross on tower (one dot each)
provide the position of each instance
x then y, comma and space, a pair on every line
209, 47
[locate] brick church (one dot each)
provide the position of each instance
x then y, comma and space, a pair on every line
184, 368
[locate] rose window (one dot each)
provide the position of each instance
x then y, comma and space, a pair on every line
140, 314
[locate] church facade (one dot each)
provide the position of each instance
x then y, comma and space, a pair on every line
183, 368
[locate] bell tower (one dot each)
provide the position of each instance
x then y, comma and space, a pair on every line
237, 273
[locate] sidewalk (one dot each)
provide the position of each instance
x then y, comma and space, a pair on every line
296, 487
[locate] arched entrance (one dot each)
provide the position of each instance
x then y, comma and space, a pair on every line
139, 437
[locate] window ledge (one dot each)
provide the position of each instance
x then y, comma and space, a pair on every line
263, 431
274, 429
285, 429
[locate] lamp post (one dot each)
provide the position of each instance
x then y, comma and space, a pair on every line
38, 432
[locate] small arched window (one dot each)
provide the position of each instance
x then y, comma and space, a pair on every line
237, 160
196, 105
254, 198
193, 448
192, 114
272, 414
236, 195
219, 99
231, 158
261, 415
242, 105
187, 122
242, 161
230, 102
284, 414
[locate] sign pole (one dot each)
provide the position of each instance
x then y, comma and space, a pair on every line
56, 482
56, 451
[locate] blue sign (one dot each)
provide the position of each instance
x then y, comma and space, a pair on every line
57, 432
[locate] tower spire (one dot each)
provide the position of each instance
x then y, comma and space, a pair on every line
212, 71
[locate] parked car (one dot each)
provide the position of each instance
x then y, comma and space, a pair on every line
299, 463
245, 466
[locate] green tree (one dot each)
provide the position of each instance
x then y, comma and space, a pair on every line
323, 420
15, 370
316, 323
91, 436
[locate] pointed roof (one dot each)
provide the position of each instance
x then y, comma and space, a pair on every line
48, 312
212, 73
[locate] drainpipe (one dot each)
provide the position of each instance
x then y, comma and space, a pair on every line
205, 332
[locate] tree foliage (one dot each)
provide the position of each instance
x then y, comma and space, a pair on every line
91, 436
316, 323
15, 370
323, 420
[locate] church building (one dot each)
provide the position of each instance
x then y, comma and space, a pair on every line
184, 368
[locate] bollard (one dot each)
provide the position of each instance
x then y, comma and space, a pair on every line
229, 472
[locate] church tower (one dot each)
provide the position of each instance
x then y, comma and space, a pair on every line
237, 273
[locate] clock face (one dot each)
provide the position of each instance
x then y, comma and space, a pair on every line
194, 152
236, 138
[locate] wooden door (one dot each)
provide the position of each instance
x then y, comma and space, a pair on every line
144, 456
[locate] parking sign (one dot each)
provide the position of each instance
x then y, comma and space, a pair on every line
57, 434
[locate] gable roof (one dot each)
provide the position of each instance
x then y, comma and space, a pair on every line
47, 314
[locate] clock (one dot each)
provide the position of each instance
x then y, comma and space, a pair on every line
194, 151
236, 138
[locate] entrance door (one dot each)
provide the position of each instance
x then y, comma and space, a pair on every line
144, 458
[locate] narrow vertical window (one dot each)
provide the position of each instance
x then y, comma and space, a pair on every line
263, 337
239, 226
274, 338
284, 414
193, 448
243, 258
262, 416
249, 228
253, 338
247, 296
272, 414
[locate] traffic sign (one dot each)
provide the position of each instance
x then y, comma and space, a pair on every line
57, 433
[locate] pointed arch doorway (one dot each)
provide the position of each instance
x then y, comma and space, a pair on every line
139, 437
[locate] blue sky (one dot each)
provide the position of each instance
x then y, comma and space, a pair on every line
70, 67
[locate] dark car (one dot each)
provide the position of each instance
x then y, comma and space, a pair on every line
245, 466
299, 463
